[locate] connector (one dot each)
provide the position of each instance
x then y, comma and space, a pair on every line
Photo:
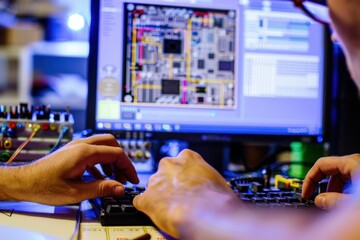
36, 127
8, 144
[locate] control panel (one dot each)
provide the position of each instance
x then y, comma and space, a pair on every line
28, 133
140, 152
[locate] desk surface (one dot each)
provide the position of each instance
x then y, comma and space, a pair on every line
30, 221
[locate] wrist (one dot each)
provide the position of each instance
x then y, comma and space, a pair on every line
13, 183
210, 206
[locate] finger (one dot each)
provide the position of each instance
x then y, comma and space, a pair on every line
323, 167
100, 139
110, 155
126, 168
329, 200
119, 176
100, 188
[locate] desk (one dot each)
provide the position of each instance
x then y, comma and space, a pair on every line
32, 221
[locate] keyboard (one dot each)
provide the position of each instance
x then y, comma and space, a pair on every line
254, 191
112, 211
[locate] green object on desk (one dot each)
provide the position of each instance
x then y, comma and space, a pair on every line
304, 155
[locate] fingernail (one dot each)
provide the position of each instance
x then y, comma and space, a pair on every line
321, 201
119, 190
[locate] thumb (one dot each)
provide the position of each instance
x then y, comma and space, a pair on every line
329, 200
104, 188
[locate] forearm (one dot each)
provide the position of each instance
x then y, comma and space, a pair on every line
12, 183
233, 220
207, 222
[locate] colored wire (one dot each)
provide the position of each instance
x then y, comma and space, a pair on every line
75, 234
3, 131
64, 130
18, 150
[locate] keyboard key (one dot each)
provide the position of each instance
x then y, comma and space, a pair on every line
243, 187
114, 208
292, 199
280, 199
257, 200
269, 199
128, 208
247, 195
287, 194
256, 187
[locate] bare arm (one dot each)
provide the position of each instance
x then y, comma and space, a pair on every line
218, 216
234, 222
56, 179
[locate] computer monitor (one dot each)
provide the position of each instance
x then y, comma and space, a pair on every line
207, 70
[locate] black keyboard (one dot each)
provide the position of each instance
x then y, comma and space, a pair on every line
120, 211
251, 190
254, 192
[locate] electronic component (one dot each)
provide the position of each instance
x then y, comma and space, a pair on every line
172, 46
170, 87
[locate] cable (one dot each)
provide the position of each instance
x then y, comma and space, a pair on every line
64, 130
75, 234
36, 128
3, 131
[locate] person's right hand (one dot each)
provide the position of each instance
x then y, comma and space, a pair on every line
341, 170
182, 185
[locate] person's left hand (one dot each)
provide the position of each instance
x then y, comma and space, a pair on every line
56, 179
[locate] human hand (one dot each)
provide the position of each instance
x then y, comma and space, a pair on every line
181, 185
341, 170
56, 179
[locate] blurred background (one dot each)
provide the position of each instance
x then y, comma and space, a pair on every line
43, 54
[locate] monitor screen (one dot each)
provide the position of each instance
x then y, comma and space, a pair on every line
206, 69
